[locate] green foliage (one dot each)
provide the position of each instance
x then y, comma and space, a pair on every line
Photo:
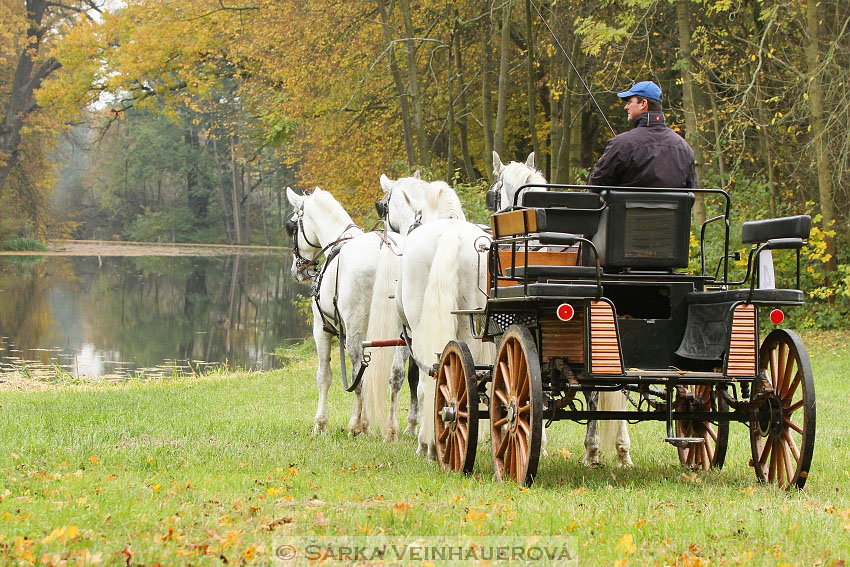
23, 243
173, 225
472, 199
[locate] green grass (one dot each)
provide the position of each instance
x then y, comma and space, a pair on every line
192, 470
23, 244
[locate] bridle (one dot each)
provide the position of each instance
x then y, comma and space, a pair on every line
293, 227
382, 205
493, 198
303, 264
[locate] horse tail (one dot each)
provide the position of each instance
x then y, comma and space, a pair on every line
437, 325
609, 428
383, 324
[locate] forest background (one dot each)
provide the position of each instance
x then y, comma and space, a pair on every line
183, 121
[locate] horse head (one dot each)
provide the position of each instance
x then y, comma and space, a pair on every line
509, 178
402, 203
302, 229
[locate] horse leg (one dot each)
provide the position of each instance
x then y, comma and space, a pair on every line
624, 445
591, 439
358, 423
323, 373
413, 384
396, 382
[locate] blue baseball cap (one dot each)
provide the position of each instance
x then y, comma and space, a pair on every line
645, 89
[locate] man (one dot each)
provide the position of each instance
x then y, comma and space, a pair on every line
650, 154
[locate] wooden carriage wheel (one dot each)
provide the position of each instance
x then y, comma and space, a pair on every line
711, 453
456, 409
782, 434
516, 407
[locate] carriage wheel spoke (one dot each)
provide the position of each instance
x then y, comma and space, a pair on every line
504, 375
711, 431
463, 433
502, 397
793, 388
708, 447
444, 434
791, 444
782, 359
706, 459
774, 364
503, 445
462, 398
523, 460
445, 392
790, 364
780, 462
525, 427
764, 453
501, 422
792, 408
463, 414
790, 469
771, 475
509, 359
793, 426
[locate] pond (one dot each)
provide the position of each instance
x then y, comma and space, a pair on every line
117, 316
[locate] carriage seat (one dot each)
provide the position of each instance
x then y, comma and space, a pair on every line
549, 290
760, 296
556, 272
785, 227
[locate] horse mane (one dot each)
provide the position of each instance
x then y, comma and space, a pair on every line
443, 199
517, 174
332, 211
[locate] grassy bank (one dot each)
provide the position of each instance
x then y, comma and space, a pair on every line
199, 471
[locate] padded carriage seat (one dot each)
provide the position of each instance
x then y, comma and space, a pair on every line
548, 290
559, 272
766, 296
570, 200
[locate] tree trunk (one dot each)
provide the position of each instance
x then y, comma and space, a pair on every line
222, 193
27, 79
234, 196
413, 83
463, 128
502, 100
487, 98
399, 85
532, 91
815, 92
683, 10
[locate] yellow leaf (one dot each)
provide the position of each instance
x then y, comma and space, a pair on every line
627, 543
566, 454
94, 460
156, 487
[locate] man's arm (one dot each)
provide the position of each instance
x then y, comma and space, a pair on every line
606, 170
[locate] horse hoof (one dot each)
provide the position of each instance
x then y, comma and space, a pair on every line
320, 428
625, 462
411, 429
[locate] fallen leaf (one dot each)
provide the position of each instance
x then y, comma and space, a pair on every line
627, 543
321, 521
94, 459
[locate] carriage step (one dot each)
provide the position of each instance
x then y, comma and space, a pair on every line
683, 441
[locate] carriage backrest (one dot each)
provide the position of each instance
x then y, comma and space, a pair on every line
645, 230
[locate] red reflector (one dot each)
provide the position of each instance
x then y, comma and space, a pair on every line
777, 316
565, 312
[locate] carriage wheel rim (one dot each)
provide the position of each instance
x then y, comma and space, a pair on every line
782, 452
516, 408
456, 437
711, 453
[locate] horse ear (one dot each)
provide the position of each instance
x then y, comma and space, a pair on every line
294, 198
497, 164
416, 175
386, 183
530, 161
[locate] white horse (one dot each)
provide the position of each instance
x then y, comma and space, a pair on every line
350, 298
407, 203
443, 269
614, 434
410, 201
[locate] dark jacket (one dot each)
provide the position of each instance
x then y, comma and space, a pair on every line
649, 155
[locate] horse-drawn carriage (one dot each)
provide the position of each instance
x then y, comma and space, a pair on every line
586, 293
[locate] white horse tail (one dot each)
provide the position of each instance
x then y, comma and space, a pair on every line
437, 326
609, 428
383, 324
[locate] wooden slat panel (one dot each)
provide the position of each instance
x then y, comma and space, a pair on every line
563, 339
535, 258
514, 222
742, 342
605, 357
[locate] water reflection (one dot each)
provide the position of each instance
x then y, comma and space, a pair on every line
114, 316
